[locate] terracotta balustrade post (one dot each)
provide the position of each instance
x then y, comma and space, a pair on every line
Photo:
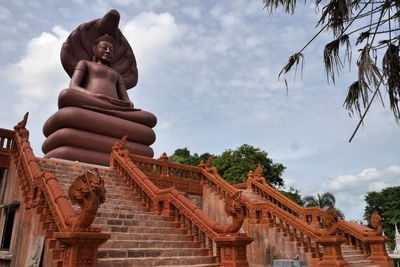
166, 209
315, 221
233, 250
81, 248
252, 216
164, 164
378, 251
332, 253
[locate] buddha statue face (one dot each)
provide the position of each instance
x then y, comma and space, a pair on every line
104, 52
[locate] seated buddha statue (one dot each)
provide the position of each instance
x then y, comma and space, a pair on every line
95, 111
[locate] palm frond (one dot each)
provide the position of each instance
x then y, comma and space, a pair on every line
391, 73
336, 13
293, 60
368, 73
352, 103
332, 60
327, 200
340, 214
310, 201
288, 5
362, 37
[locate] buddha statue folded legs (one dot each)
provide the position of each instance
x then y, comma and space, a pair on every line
95, 111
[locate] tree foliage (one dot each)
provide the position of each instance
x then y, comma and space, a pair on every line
234, 165
387, 204
323, 201
373, 26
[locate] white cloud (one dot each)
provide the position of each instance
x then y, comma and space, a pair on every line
151, 35
38, 75
351, 189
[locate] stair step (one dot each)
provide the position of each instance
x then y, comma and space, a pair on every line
150, 244
354, 257
144, 222
137, 223
150, 252
131, 216
362, 263
196, 265
157, 261
170, 235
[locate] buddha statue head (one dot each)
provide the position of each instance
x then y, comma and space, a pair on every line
103, 50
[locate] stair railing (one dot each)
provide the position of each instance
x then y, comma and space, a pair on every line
359, 239
6, 145
42, 191
164, 173
268, 213
229, 249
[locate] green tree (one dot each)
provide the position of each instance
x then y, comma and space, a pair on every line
323, 201
387, 204
234, 165
373, 27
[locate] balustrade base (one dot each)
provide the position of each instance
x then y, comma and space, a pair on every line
233, 250
332, 256
81, 248
378, 251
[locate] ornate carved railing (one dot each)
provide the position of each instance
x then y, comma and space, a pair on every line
42, 191
268, 213
229, 249
313, 217
6, 145
165, 174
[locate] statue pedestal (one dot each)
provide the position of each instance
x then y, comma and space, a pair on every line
332, 252
233, 250
378, 251
81, 248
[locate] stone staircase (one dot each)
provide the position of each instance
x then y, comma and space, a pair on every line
354, 257
138, 238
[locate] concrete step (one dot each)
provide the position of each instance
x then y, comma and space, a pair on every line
144, 221
196, 265
157, 261
150, 252
150, 244
354, 257
136, 223
362, 263
178, 236
131, 216
128, 229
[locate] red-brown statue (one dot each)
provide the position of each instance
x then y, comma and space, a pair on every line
234, 207
95, 111
88, 192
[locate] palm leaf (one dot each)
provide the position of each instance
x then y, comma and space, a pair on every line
391, 72
288, 5
332, 60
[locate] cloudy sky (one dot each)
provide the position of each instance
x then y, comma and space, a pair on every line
208, 70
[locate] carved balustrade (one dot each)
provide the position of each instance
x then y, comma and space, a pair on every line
229, 249
165, 174
42, 191
273, 212
312, 216
6, 145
